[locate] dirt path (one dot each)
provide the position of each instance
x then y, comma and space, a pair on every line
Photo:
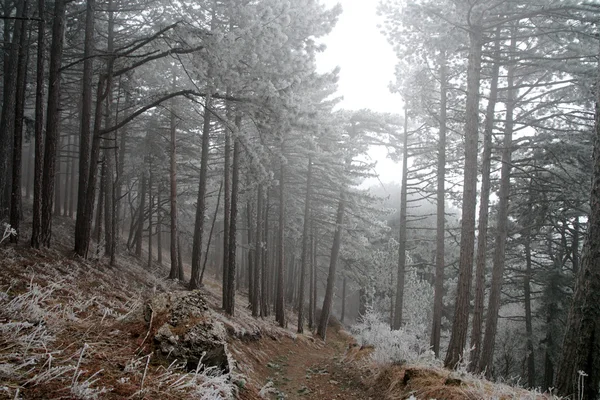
304, 368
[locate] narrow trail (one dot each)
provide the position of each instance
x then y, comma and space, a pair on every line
305, 368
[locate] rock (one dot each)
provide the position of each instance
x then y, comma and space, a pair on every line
190, 333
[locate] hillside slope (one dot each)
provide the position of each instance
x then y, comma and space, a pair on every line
77, 329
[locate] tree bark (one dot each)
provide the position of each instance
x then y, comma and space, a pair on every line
335, 252
491, 323
15, 201
480, 260
305, 244
458, 338
438, 296
201, 200
81, 224
52, 120
173, 273
402, 230
210, 234
36, 225
258, 252
235, 179
581, 346
226, 213
140, 226
279, 297
7, 120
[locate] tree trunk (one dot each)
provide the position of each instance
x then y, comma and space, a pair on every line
458, 338
72, 186
264, 283
36, 225
15, 201
279, 298
7, 121
210, 234
402, 230
52, 120
528, 317
173, 273
100, 209
230, 294
491, 323
158, 228
305, 243
82, 225
110, 141
57, 177
343, 300
201, 200
226, 213
438, 303
258, 252
581, 346
335, 251
65, 199
82, 243
140, 226
312, 284
150, 215
480, 260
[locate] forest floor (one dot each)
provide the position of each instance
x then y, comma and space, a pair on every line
66, 332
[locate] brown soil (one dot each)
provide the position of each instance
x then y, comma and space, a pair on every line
303, 367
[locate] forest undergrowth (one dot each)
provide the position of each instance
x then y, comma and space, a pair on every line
65, 332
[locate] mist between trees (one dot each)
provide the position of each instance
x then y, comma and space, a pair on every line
200, 134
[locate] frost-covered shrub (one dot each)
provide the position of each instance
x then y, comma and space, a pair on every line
406, 345
410, 343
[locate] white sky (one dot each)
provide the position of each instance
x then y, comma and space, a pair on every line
367, 67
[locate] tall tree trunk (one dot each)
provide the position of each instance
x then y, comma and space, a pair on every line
201, 200
343, 300
581, 346
110, 140
15, 201
72, 186
83, 242
173, 273
52, 120
140, 226
264, 283
402, 229
279, 297
258, 252
480, 260
438, 303
335, 252
36, 225
158, 228
65, 199
83, 220
210, 234
7, 121
150, 215
235, 178
30, 158
491, 323
100, 208
528, 317
305, 243
312, 284
458, 338
57, 177
226, 212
